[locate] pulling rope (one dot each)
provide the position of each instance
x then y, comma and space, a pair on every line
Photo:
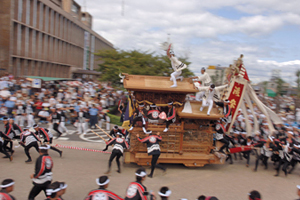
81, 149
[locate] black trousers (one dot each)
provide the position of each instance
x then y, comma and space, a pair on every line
5, 147
138, 119
37, 188
264, 160
283, 162
168, 123
3, 151
55, 127
153, 163
225, 144
246, 155
55, 149
115, 154
293, 164
28, 147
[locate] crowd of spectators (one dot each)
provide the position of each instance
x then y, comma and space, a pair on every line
29, 105
287, 107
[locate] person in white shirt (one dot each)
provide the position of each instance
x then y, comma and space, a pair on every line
52, 101
42, 94
4, 93
60, 94
205, 80
3, 83
177, 66
24, 88
20, 113
211, 93
44, 115
298, 115
103, 102
92, 91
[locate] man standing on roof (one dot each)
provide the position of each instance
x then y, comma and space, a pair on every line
205, 81
177, 66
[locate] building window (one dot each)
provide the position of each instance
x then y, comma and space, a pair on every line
74, 8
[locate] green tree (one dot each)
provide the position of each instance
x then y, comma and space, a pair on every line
114, 62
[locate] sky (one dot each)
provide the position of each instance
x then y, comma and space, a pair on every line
213, 32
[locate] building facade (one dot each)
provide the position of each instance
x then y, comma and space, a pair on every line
49, 38
217, 74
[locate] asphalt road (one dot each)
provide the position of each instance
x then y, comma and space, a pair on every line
80, 168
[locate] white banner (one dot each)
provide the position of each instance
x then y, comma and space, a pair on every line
36, 83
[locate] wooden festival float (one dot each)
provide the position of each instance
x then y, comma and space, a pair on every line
189, 140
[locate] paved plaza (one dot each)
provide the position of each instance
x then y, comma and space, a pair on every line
79, 169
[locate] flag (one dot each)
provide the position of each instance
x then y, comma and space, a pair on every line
128, 113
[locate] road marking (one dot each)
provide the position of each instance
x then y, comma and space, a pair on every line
82, 136
62, 138
72, 132
91, 137
64, 134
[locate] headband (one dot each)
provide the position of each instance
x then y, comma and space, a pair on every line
101, 184
7, 185
51, 191
167, 194
141, 174
46, 148
63, 186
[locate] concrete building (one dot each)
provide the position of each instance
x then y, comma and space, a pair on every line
217, 74
48, 38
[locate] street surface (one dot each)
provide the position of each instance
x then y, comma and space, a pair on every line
79, 169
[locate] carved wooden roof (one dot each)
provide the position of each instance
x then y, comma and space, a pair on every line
157, 84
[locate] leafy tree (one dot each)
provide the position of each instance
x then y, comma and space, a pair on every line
114, 62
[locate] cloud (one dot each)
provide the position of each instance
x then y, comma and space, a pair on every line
204, 36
